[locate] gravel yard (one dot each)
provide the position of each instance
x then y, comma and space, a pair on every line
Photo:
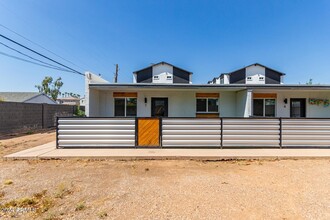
165, 189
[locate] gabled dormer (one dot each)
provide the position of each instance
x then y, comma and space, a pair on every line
162, 73
252, 74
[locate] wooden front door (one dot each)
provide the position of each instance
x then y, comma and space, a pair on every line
148, 132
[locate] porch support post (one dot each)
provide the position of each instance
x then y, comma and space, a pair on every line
221, 137
281, 142
56, 132
248, 103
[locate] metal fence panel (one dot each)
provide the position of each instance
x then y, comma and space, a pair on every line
192, 132
306, 132
197, 132
249, 132
96, 132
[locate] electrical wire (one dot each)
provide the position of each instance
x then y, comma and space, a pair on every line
7, 28
25, 47
28, 61
28, 55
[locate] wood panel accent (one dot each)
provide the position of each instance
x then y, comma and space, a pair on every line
125, 94
148, 132
207, 95
264, 95
207, 115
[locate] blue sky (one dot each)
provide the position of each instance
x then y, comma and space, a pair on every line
205, 37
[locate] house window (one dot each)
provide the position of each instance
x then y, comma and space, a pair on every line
261, 78
264, 107
125, 107
249, 78
207, 105
156, 77
169, 77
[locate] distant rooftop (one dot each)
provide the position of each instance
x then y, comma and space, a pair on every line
17, 96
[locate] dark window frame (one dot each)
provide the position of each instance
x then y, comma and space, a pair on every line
264, 107
207, 105
125, 106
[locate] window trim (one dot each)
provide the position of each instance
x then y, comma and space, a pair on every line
264, 107
125, 109
207, 105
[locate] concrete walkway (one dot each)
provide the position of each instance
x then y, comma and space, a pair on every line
49, 151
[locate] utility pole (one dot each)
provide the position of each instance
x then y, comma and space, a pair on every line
116, 74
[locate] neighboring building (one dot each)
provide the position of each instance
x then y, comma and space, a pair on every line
252, 74
164, 90
25, 97
69, 101
82, 101
162, 73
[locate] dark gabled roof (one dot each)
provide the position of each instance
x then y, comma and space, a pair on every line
162, 63
255, 64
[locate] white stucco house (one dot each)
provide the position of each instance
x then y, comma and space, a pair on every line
164, 90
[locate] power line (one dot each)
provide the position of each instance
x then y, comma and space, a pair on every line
29, 56
15, 42
28, 61
39, 45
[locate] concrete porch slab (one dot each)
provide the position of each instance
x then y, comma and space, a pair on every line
49, 151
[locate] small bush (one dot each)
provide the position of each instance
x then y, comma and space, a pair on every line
8, 182
62, 191
103, 214
51, 216
79, 112
29, 132
80, 206
41, 194
2, 194
38, 203
22, 202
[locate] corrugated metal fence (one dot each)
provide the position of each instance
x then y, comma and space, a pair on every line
197, 132
95, 132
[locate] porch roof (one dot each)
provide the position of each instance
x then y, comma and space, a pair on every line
232, 87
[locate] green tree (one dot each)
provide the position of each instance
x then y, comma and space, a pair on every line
310, 82
50, 88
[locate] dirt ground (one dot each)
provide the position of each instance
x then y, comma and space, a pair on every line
20, 141
161, 189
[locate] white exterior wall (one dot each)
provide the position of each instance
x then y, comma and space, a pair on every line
93, 104
226, 79
255, 72
162, 71
92, 96
134, 78
106, 104
240, 103
180, 104
317, 111
227, 104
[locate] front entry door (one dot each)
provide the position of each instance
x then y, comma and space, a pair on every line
297, 108
159, 107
